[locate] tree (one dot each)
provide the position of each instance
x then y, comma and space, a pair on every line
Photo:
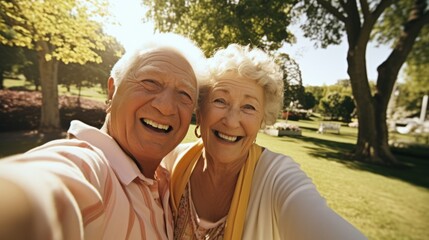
317, 91
214, 24
341, 86
346, 108
416, 83
329, 105
328, 20
337, 106
9, 57
91, 74
292, 78
57, 30
30, 69
309, 101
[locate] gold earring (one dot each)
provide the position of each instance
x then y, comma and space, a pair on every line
108, 102
198, 135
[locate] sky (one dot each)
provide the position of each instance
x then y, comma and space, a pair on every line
318, 66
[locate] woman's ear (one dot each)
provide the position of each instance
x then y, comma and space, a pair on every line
197, 117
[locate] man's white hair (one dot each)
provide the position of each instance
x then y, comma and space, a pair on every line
182, 45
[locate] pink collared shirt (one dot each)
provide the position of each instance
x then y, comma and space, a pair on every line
88, 188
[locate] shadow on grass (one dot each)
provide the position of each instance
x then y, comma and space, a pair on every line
18, 142
414, 171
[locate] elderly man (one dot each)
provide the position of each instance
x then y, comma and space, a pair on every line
107, 183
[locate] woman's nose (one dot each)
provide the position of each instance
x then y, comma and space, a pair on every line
232, 118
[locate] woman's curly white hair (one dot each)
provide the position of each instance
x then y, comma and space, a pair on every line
254, 65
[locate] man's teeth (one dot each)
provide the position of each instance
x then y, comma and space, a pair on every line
228, 138
155, 124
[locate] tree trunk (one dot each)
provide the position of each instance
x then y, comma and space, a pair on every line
79, 93
372, 143
1, 80
50, 118
367, 147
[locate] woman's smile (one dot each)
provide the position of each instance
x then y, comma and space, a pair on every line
226, 137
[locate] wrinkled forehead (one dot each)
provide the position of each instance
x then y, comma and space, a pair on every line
167, 58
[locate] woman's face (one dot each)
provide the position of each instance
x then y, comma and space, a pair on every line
230, 118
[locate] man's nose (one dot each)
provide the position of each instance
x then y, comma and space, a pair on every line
165, 102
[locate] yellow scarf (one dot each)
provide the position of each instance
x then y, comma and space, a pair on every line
182, 171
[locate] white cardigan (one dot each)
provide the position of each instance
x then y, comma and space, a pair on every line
284, 203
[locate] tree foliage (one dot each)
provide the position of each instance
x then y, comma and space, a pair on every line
30, 68
318, 92
215, 24
337, 106
292, 78
416, 83
91, 74
68, 26
10, 59
58, 30
309, 101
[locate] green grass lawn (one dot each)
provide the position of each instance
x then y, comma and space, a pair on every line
384, 203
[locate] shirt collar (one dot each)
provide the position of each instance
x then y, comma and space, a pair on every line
124, 167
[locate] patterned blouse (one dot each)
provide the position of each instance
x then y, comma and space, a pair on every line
189, 226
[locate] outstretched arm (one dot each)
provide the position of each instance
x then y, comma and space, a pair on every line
17, 213
44, 193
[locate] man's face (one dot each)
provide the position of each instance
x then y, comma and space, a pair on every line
152, 107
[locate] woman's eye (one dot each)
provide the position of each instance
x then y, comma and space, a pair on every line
219, 102
248, 108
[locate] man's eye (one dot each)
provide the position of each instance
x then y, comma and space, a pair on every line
150, 84
186, 97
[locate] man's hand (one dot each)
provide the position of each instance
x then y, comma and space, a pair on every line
16, 212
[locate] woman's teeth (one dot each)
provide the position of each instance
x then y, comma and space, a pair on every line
227, 138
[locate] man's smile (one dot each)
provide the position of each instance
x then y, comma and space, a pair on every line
159, 127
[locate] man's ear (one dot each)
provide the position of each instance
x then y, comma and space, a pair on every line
110, 88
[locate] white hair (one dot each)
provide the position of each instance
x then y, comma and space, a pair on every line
254, 65
181, 45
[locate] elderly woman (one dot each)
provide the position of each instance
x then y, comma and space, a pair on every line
228, 187
106, 183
